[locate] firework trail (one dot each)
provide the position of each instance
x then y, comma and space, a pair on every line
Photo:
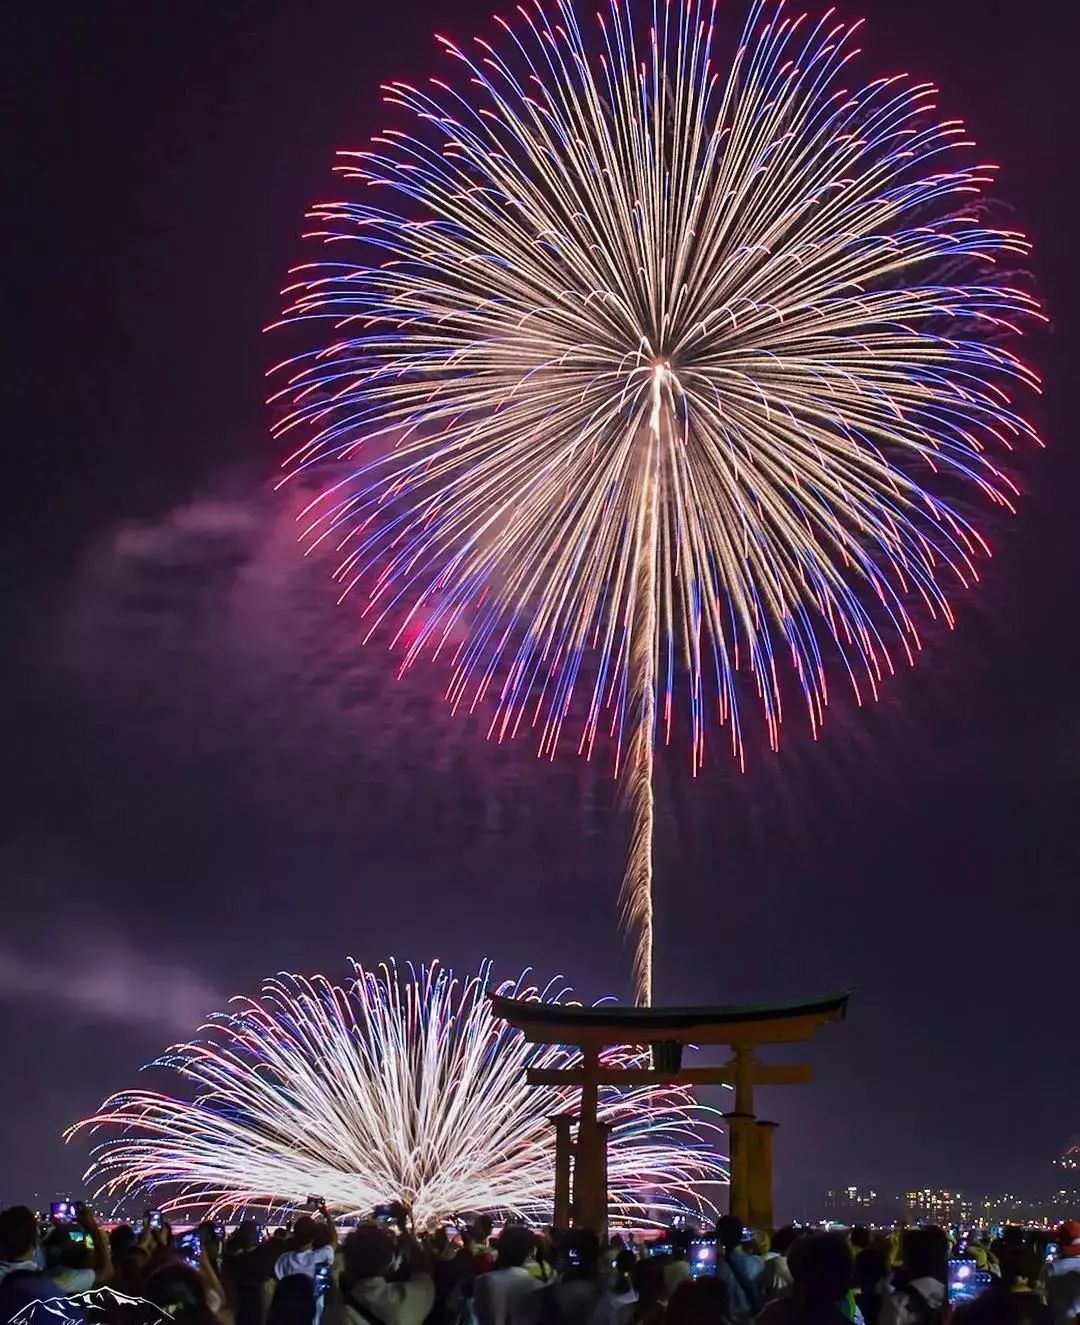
654, 370
396, 1087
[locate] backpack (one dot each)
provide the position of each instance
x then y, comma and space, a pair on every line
751, 1289
459, 1305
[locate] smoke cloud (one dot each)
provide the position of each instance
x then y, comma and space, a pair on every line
102, 978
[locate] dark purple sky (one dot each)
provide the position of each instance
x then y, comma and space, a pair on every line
207, 780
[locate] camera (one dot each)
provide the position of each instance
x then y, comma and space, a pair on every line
64, 1212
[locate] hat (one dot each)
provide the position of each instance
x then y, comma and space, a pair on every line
1068, 1236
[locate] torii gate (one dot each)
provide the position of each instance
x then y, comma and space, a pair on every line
666, 1031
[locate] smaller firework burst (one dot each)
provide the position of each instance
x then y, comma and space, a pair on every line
393, 1087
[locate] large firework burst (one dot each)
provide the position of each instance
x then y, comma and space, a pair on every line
390, 1088
645, 368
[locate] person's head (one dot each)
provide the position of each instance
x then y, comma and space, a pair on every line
515, 1246
729, 1232
821, 1268
368, 1253
121, 1240
293, 1302
544, 1250
18, 1233
178, 1290
625, 1260
480, 1229
871, 1267
129, 1270
649, 1281
859, 1237
245, 1236
303, 1234
1068, 1239
783, 1238
701, 1301
1020, 1268
680, 1245
209, 1240
926, 1253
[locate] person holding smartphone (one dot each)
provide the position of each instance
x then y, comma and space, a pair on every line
78, 1256
1062, 1275
370, 1298
312, 1249
21, 1279
498, 1295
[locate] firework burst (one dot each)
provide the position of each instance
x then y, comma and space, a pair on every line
645, 369
393, 1087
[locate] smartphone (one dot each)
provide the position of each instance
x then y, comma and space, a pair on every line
219, 1231
189, 1245
155, 1219
1051, 1250
63, 1212
966, 1280
702, 1259
137, 1228
320, 1279
79, 1235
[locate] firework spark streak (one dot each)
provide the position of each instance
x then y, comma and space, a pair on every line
624, 295
393, 1088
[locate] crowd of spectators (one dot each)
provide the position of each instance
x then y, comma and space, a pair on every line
383, 1273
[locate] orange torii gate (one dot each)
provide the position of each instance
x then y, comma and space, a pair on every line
666, 1031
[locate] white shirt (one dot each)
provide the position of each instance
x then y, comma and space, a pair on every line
1063, 1289
393, 1304
303, 1262
619, 1307
72, 1281
899, 1309
775, 1278
6, 1267
498, 1295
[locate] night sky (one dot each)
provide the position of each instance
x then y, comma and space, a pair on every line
207, 780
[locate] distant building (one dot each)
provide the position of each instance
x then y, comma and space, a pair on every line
851, 1205
938, 1205
945, 1206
